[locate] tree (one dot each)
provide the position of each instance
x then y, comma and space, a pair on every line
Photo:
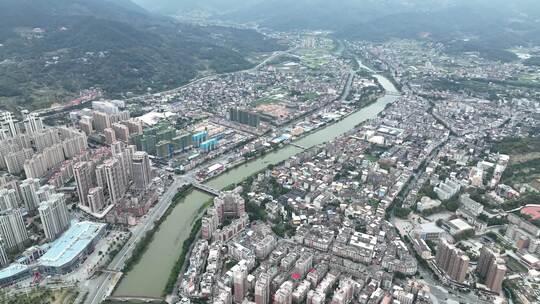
452, 205
402, 212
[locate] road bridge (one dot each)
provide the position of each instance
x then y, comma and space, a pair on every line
127, 298
106, 270
206, 189
298, 146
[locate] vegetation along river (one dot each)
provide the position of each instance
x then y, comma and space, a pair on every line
149, 276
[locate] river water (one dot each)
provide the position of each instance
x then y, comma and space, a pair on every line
149, 276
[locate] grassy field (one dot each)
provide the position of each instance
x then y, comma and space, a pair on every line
515, 266
313, 58
309, 96
524, 163
42, 295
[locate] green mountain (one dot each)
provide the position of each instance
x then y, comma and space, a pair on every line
214, 7
51, 50
486, 26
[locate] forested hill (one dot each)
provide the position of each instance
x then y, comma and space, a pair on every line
50, 50
489, 27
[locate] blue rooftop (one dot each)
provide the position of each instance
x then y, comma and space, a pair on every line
12, 270
71, 244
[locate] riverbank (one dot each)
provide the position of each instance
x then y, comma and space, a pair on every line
163, 252
180, 263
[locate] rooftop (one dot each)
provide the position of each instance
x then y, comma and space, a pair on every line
71, 244
12, 270
459, 225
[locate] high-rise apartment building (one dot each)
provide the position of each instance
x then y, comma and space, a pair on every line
491, 268
13, 229
96, 199
121, 131
452, 261
115, 179
45, 192
29, 188
83, 178
101, 120
54, 216
495, 276
110, 136
240, 273
142, 171
284, 294
33, 123
262, 289
3, 255
8, 199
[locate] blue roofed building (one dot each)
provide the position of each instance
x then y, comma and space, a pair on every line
198, 138
69, 250
209, 145
14, 273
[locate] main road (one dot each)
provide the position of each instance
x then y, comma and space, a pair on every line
99, 287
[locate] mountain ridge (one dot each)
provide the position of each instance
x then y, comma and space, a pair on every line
48, 55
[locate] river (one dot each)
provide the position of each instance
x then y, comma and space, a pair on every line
149, 276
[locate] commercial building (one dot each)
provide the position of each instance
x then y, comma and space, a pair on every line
54, 216
71, 248
429, 231
14, 273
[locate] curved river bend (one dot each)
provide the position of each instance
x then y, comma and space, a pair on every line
149, 276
